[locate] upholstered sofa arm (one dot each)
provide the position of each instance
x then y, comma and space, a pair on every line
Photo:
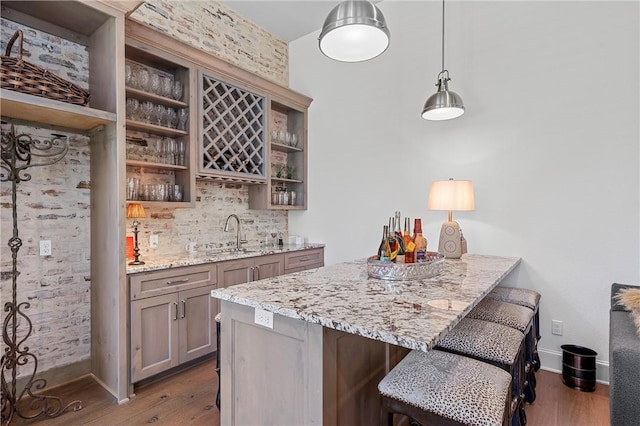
624, 363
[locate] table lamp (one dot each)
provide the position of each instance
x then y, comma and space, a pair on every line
135, 211
451, 195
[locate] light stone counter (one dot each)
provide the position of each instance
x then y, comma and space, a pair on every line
154, 263
412, 314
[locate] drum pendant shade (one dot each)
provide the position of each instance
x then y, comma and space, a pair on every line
354, 31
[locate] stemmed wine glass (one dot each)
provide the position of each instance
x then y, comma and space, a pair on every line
147, 109
182, 148
166, 87
183, 115
143, 79
274, 234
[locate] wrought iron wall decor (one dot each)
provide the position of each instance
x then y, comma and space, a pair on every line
19, 153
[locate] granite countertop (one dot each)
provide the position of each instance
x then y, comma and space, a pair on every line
217, 255
413, 314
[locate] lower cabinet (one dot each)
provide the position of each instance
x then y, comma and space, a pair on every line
297, 261
241, 271
172, 328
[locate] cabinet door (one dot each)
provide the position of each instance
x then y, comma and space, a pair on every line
197, 323
235, 272
154, 335
268, 266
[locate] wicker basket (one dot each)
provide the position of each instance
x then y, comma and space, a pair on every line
22, 76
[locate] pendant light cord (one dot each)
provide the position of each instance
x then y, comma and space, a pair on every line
442, 35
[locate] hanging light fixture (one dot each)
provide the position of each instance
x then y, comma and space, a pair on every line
444, 104
354, 31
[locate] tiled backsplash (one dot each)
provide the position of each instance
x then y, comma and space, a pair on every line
204, 223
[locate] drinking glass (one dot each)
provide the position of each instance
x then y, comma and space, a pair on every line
176, 90
282, 136
166, 87
132, 108
294, 140
274, 234
172, 148
143, 79
146, 109
274, 136
182, 149
177, 192
154, 83
183, 115
158, 114
171, 118
128, 72
160, 150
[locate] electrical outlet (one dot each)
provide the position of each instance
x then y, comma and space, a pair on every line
153, 241
264, 318
45, 247
556, 327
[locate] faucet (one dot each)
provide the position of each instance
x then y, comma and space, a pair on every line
226, 229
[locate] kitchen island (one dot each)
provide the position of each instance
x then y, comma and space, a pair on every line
333, 335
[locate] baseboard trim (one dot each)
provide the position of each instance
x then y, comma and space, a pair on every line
552, 361
59, 375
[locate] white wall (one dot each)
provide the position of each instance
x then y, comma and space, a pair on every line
550, 140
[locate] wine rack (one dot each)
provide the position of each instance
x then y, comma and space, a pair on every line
233, 130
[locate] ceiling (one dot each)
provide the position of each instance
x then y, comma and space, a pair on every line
289, 20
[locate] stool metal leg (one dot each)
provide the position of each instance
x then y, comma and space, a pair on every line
218, 362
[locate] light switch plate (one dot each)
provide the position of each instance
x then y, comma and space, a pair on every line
264, 318
153, 241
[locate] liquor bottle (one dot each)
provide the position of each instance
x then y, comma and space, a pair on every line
384, 251
409, 245
397, 234
420, 241
393, 243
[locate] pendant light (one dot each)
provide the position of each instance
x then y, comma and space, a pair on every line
354, 31
444, 104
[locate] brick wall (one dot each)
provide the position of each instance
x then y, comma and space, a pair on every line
52, 205
219, 30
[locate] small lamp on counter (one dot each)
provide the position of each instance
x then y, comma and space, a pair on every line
135, 211
451, 195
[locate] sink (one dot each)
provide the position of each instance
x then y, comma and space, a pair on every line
231, 251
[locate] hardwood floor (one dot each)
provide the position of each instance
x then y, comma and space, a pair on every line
189, 399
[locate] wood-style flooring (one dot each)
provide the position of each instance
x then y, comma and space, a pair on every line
188, 398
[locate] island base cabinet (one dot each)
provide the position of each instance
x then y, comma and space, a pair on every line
171, 329
298, 372
269, 375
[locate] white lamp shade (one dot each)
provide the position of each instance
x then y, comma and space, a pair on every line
451, 195
354, 31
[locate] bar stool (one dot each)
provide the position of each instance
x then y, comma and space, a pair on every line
495, 344
517, 317
218, 319
441, 388
522, 297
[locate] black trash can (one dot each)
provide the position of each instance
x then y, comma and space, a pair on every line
579, 367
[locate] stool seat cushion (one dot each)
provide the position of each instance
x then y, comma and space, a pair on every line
450, 386
519, 296
508, 314
484, 339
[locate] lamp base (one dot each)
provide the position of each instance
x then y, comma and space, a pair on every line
136, 262
452, 244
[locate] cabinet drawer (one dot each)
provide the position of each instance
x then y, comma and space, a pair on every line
305, 259
166, 281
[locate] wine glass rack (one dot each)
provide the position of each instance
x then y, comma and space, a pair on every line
233, 131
